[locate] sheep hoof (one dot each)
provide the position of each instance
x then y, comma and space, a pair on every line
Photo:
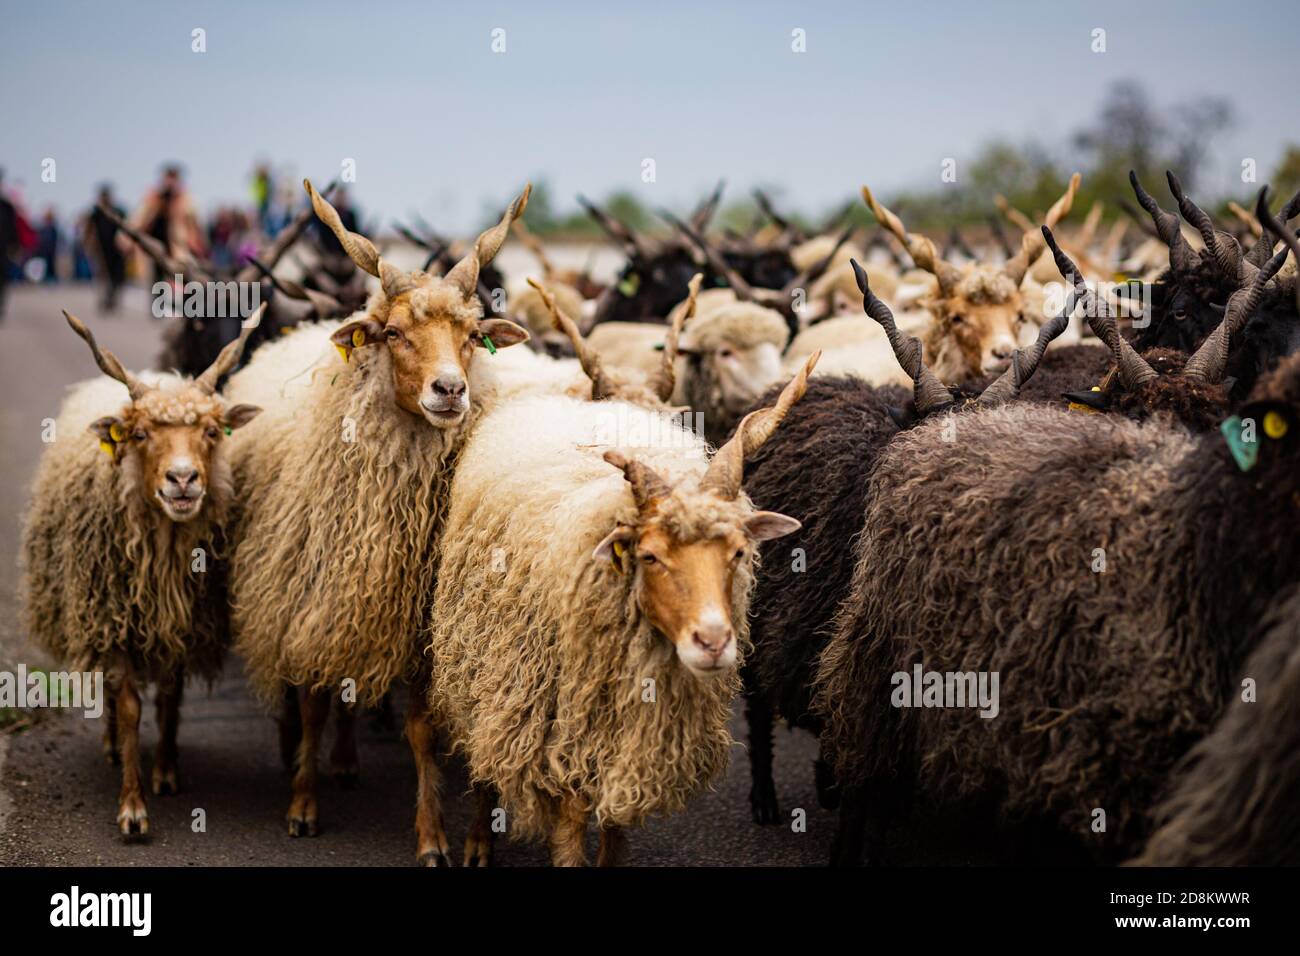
433, 858
133, 820
478, 853
164, 782
762, 800
113, 757
302, 828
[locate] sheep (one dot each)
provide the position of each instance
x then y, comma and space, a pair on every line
348, 473
587, 621
817, 469
1234, 803
123, 542
627, 383
1187, 297
1112, 571
979, 311
728, 355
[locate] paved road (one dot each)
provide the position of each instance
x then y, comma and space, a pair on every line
58, 796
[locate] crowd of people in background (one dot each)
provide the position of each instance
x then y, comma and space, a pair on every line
40, 248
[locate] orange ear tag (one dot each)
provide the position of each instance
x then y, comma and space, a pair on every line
106, 447
342, 351
617, 559
116, 432
358, 338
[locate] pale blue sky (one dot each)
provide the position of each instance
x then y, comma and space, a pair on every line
439, 123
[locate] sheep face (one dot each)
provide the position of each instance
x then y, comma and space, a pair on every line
430, 334
744, 374
685, 554
167, 443
976, 330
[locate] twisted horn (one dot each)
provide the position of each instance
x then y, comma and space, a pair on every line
648, 488
359, 249
727, 468
814, 272
322, 304
918, 246
154, 249
1211, 358
464, 274
619, 232
228, 357
665, 377
743, 290
1225, 248
1168, 229
1031, 244
928, 392
588, 357
1276, 225
1024, 362
284, 239
1133, 368
108, 363
703, 215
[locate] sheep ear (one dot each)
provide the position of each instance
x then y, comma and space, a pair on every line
103, 429
355, 335
239, 415
1098, 400
614, 544
766, 525
502, 332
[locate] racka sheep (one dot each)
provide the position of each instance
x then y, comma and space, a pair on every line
1112, 572
1234, 804
588, 619
347, 475
123, 544
1188, 298
817, 469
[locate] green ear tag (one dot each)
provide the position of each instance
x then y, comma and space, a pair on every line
492, 349
629, 286
228, 430
1245, 453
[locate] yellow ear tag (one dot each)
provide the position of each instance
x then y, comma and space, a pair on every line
106, 447
617, 559
358, 338
116, 432
342, 351
1275, 426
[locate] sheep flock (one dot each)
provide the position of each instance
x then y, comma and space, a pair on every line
1012, 528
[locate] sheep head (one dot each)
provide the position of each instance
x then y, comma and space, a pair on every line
734, 350
689, 541
165, 438
1190, 388
979, 310
428, 326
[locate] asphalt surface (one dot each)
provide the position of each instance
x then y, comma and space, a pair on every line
58, 795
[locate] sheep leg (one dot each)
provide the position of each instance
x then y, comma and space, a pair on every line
132, 817
315, 707
478, 845
290, 722
343, 756
169, 717
568, 834
613, 847
859, 827
828, 792
111, 753
762, 790
432, 848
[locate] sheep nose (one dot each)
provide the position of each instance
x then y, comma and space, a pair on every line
449, 386
712, 640
1003, 350
182, 476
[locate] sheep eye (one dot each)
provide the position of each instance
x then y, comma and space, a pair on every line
725, 353
392, 334
139, 434
645, 557
212, 432
740, 553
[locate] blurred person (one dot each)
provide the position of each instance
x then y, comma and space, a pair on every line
8, 240
263, 192
103, 237
48, 240
167, 215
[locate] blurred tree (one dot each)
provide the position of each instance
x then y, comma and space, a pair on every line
1286, 178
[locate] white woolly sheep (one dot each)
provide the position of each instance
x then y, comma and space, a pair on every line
587, 624
121, 551
348, 472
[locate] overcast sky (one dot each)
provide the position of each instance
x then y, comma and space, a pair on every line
584, 92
